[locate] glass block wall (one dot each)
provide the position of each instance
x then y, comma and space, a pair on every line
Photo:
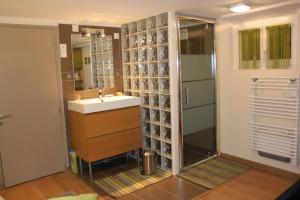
102, 61
146, 74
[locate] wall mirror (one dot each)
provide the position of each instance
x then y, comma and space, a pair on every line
93, 60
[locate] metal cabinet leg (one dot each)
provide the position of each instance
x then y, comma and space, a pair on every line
80, 165
90, 171
138, 156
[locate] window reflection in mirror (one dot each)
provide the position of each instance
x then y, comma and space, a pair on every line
92, 61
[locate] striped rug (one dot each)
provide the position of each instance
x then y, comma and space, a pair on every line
129, 181
213, 172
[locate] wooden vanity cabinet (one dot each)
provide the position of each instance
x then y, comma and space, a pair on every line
104, 134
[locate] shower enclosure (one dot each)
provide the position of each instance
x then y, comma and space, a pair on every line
168, 61
197, 89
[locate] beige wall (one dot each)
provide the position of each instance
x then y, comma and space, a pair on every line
233, 97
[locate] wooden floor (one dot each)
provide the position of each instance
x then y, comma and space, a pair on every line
47, 187
253, 184
55, 185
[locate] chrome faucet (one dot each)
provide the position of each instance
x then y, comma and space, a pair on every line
100, 95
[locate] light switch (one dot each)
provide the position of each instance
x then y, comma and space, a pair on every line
63, 50
116, 36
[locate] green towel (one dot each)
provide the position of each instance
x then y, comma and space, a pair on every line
73, 162
79, 197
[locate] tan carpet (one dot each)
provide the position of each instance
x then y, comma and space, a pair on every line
213, 172
129, 181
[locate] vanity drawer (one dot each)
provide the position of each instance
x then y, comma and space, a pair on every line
113, 144
112, 121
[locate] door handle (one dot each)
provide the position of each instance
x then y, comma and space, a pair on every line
4, 116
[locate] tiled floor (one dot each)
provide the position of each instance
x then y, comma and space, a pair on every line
195, 151
193, 154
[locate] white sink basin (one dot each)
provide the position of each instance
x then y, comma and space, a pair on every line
106, 103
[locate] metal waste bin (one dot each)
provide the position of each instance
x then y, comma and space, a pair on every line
148, 163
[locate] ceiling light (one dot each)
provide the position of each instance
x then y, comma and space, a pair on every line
91, 31
240, 7
102, 33
82, 33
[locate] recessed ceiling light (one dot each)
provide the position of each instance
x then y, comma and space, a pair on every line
240, 7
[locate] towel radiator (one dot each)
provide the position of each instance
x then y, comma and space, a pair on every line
274, 109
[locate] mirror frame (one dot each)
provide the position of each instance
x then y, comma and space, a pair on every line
67, 71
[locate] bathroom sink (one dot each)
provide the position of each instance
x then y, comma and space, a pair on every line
106, 103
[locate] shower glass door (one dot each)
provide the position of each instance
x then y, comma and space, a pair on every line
197, 80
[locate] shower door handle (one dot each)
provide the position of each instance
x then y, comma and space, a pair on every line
186, 97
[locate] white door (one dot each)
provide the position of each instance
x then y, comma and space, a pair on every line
31, 139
